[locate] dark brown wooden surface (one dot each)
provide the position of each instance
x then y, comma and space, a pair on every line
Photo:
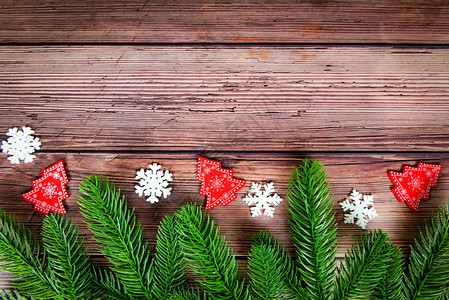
229, 98
112, 86
248, 21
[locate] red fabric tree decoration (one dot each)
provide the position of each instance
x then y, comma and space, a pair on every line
414, 184
49, 190
217, 183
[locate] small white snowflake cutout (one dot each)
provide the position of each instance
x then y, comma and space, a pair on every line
262, 199
49, 190
153, 183
20, 145
360, 209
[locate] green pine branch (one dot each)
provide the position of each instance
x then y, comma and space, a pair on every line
22, 255
169, 269
208, 254
364, 267
390, 285
313, 227
445, 295
119, 234
272, 273
188, 294
67, 257
12, 295
428, 269
107, 286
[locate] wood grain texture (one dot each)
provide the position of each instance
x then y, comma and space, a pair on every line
248, 21
111, 98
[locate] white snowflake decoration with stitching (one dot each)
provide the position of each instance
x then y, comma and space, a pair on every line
153, 183
49, 190
360, 209
262, 199
20, 145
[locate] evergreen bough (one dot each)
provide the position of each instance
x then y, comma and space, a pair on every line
271, 270
23, 256
170, 273
67, 257
59, 268
208, 254
120, 235
107, 285
427, 274
390, 285
313, 227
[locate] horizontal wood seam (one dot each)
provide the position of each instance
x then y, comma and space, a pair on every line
305, 152
230, 44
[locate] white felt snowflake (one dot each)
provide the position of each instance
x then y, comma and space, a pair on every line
153, 183
262, 199
360, 209
20, 145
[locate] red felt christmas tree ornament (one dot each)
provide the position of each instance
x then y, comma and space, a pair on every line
414, 183
49, 190
217, 183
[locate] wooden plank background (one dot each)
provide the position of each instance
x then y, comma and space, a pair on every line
246, 21
112, 86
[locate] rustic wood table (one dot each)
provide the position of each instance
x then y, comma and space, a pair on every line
112, 86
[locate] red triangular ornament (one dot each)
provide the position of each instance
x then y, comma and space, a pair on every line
217, 183
414, 184
49, 190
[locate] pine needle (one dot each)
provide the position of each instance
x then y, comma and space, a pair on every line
428, 269
364, 266
120, 235
208, 254
107, 285
188, 294
22, 255
12, 295
313, 228
272, 273
67, 257
169, 269
390, 285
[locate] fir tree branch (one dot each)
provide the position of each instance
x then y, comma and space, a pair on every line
22, 255
188, 294
119, 234
169, 270
12, 295
364, 267
313, 228
272, 273
208, 254
390, 285
67, 257
445, 295
107, 285
428, 269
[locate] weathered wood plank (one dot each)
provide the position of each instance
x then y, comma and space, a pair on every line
249, 21
106, 98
